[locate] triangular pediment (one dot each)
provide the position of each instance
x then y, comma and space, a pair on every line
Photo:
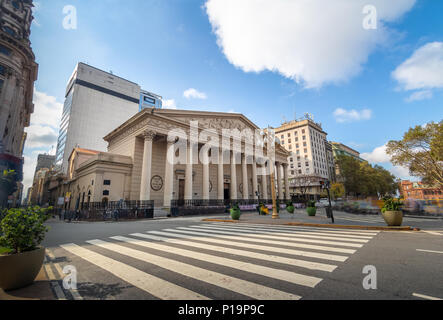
210, 120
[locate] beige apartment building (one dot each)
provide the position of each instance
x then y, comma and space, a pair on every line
310, 157
136, 166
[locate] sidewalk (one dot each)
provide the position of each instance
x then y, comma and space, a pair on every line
300, 218
39, 290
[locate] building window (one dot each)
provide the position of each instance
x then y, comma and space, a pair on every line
92, 182
304, 137
306, 150
107, 182
5, 50
2, 70
9, 31
289, 135
296, 139
290, 147
304, 144
307, 164
106, 192
303, 131
289, 141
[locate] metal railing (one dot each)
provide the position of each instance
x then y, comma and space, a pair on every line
116, 210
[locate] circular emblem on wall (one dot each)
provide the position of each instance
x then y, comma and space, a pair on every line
210, 186
156, 183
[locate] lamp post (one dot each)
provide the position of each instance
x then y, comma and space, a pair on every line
271, 156
274, 196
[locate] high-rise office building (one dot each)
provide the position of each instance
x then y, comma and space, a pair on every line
18, 71
96, 103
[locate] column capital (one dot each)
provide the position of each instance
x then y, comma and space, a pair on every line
149, 135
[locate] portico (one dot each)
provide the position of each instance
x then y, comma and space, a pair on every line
168, 167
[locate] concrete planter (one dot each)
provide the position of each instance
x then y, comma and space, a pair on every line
20, 270
312, 211
393, 218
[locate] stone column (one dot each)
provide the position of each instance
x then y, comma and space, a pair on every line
220, 177
169, 174
245, 177
145, 188
264, 184
254, 179
206, 175
233, 177
278, 179
286, 174
189, 172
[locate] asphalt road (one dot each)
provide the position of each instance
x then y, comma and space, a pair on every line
185, 258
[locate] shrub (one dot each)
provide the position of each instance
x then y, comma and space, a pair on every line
311, 204
391, 204
23, 230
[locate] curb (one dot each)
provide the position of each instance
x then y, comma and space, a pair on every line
318, 225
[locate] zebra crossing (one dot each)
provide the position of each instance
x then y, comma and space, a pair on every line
235, 258
378, 219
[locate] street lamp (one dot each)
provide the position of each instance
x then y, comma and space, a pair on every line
272, 164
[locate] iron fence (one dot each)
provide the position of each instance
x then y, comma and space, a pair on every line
103, 211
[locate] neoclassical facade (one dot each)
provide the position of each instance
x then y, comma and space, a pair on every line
152, 138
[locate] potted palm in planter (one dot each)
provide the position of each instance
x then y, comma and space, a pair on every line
290, 207
21, 257
235, 212
311, 209
391, 212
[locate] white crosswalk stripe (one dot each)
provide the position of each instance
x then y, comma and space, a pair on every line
241, 286
157, 287
306, 229
267, 257
283, 235
257, 237
288, 232
238, 243
269, 252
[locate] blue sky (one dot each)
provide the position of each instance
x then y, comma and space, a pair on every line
269, 60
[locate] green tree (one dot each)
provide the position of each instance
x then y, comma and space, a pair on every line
420, 150
359, 178
337, 190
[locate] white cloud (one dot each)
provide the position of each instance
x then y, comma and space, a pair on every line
423, 70
312, 42
28, 173
420, 95
41, 137
343, 115
169, 104
194, 94
378, 155
401, 172
47, 110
